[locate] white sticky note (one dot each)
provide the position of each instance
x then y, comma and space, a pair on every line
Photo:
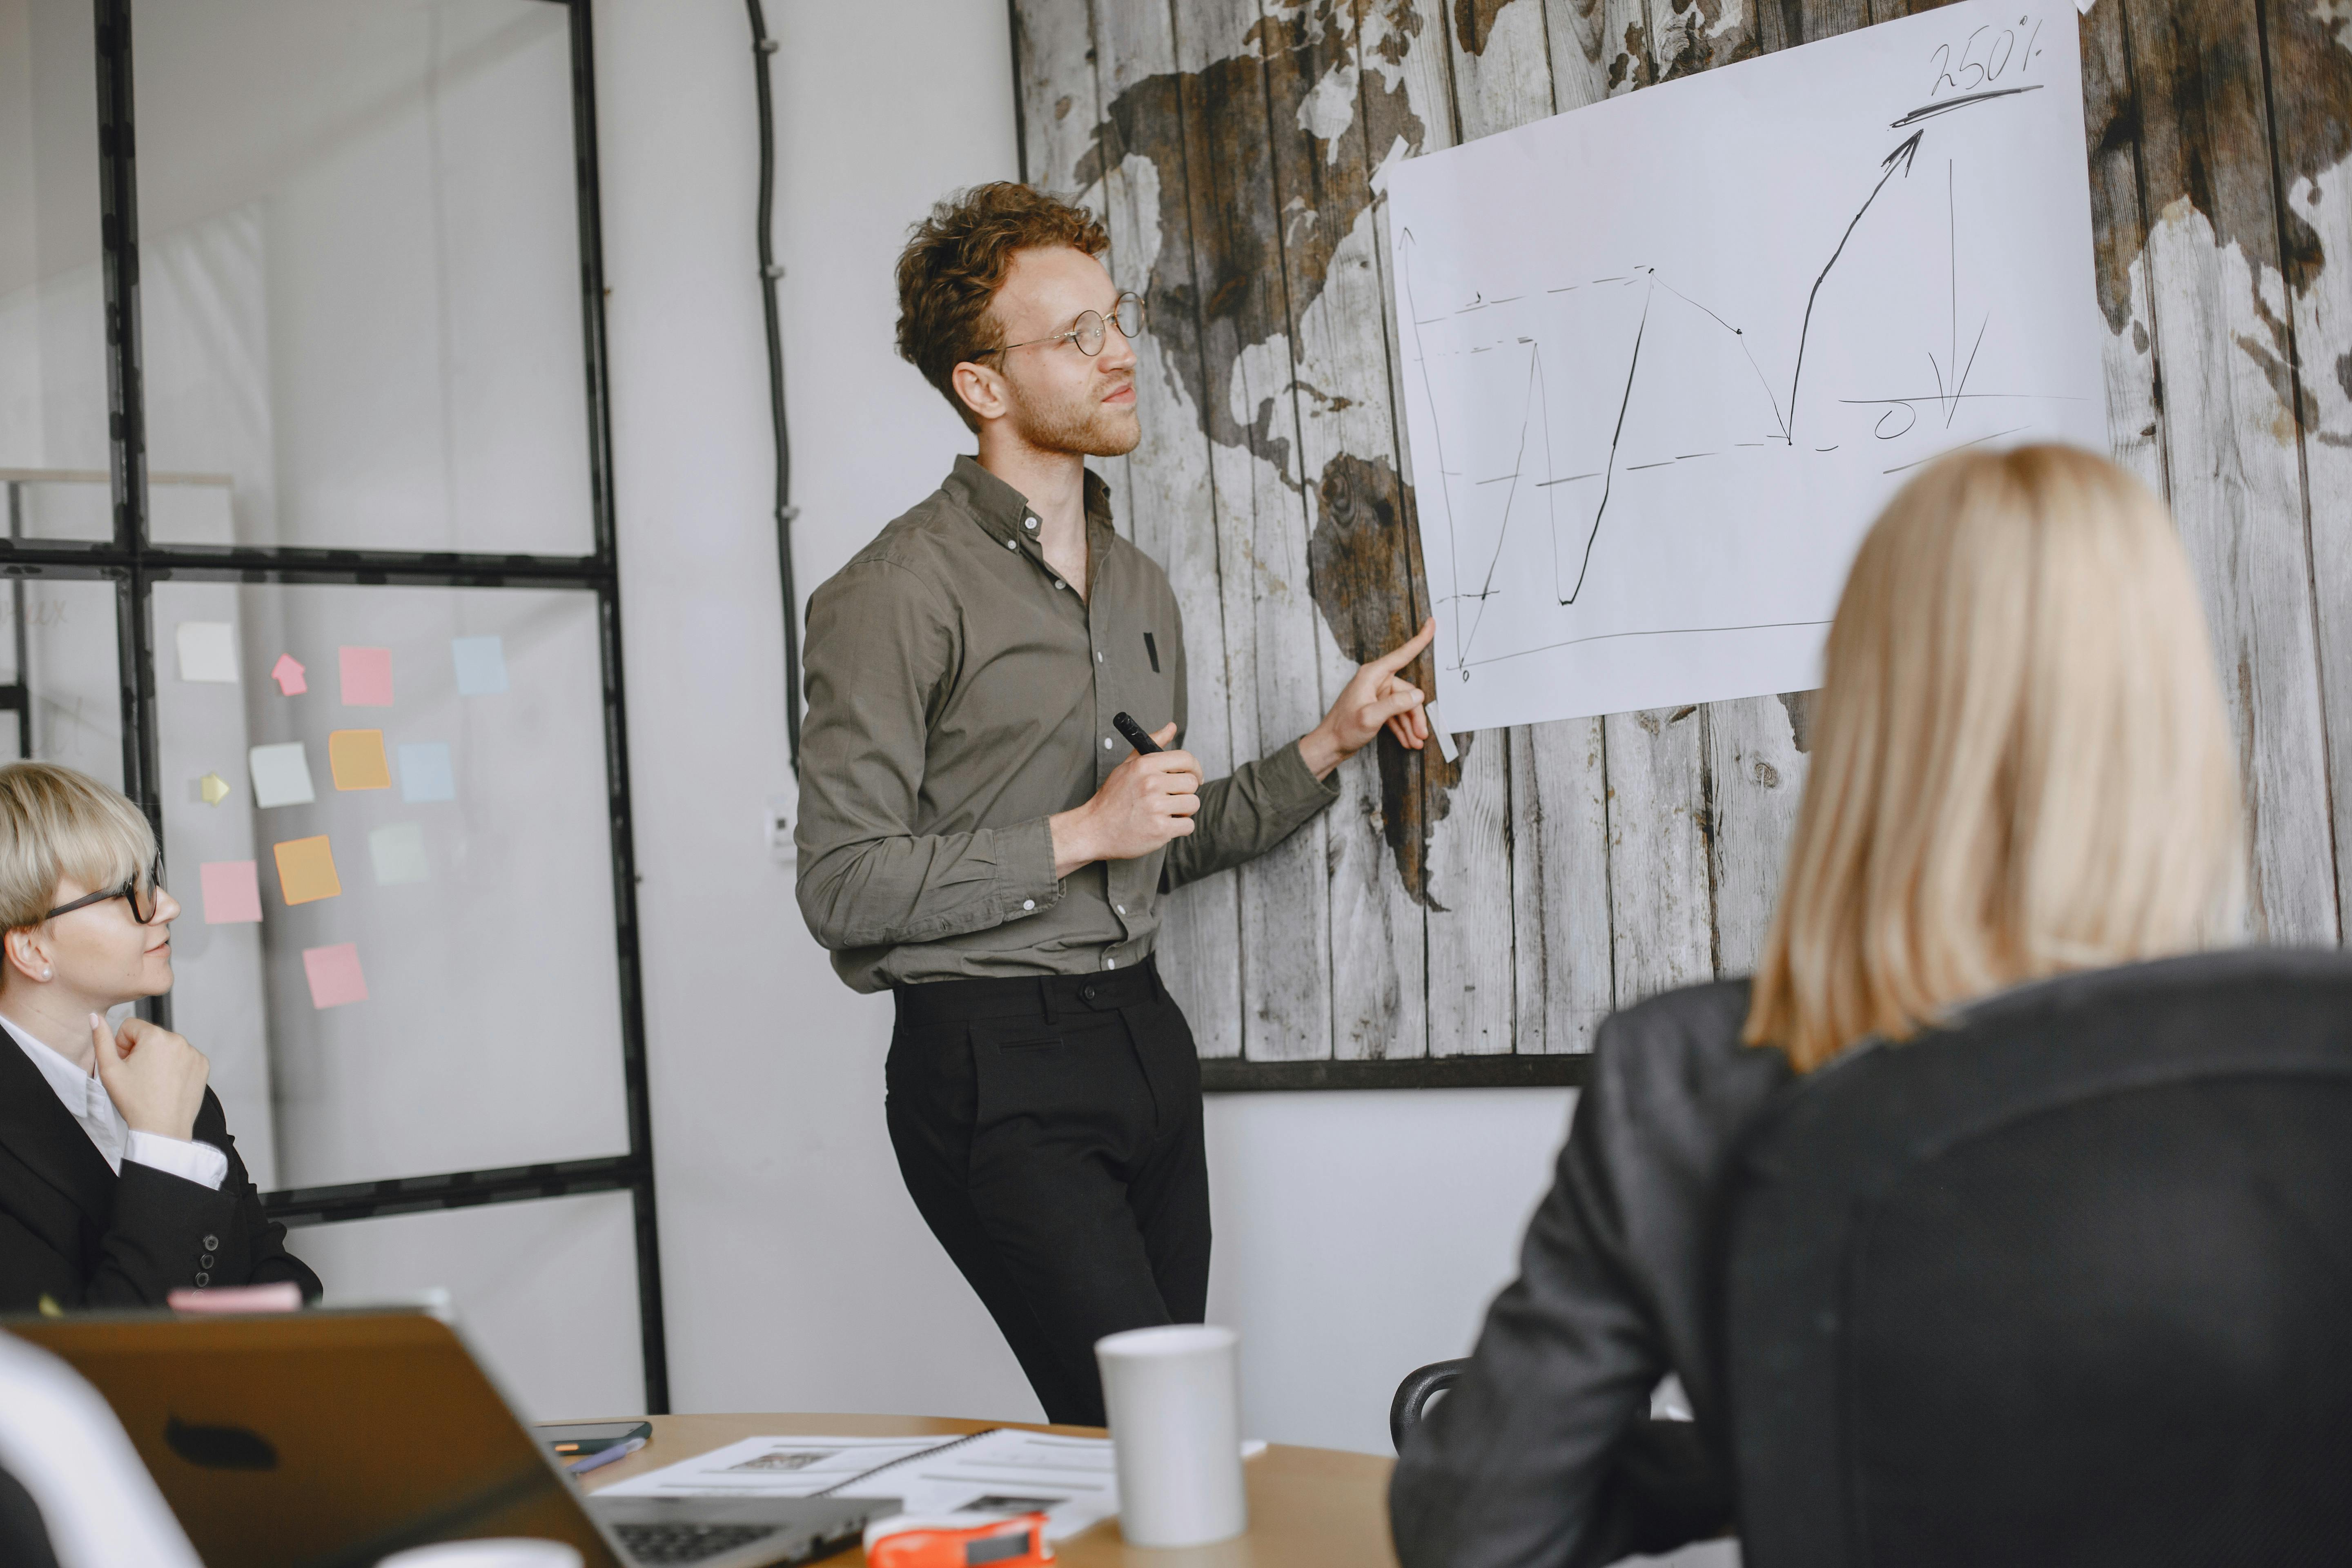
398, 849
208, 651
281, 775
481, 665
425, 772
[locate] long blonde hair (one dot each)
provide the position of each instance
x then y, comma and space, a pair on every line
2021, 762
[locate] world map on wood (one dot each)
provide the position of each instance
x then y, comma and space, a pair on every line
1499, 906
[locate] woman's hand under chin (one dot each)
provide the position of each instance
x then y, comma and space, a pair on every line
154, 1077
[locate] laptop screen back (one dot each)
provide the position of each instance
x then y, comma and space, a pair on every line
320, 1439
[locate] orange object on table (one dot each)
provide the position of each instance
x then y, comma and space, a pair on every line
1018, 1543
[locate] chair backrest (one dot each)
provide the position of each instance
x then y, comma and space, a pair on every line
2069, 1283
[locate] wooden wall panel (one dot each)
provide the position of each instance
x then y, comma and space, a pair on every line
1506, 902
1133, 61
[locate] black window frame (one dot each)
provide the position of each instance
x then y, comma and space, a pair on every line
134, 564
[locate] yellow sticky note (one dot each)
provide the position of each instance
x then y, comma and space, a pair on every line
356, 758
306, 870
214, 788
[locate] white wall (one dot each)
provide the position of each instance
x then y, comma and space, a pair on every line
1358, 1236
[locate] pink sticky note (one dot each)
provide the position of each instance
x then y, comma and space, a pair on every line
335, 975
232, 892
367, 677
288, 672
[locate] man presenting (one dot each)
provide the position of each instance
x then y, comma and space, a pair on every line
977, 837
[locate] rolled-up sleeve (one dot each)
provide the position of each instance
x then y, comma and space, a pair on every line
881, 648
1249, 811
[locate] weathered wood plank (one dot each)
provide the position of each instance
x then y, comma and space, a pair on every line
1755, 778
2311, 98
1053, 68
2224, 363
1502, 65
1135, 152
1324, 114
2119, 239
1273, 659
1560, 885
1660, 897
1578, 35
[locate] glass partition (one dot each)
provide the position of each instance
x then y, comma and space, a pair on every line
310, 548
499, 1266
360, 272
402, 782
53, 407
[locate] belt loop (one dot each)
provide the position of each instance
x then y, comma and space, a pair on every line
1045, 998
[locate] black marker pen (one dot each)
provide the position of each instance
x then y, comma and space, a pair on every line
1144, 744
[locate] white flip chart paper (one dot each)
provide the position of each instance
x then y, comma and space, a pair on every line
1665, 357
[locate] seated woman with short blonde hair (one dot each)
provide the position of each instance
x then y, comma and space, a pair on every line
2021, 768
118, 1182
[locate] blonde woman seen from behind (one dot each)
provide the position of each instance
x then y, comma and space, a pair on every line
119, 1181
2021, 768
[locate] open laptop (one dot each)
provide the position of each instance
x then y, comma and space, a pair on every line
331, 1439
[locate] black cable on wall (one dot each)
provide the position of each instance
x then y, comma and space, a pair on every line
762, 46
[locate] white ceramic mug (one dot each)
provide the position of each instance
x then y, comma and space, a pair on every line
1175, 1398
497, 1552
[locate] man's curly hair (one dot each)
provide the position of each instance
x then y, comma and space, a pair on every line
956, 261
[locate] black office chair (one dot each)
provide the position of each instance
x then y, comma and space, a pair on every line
1421, 1385
2072, 1284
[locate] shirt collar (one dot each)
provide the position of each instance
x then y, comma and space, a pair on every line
72, 1084
1002, 510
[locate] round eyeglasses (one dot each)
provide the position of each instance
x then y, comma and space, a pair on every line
1090, 329
143, 900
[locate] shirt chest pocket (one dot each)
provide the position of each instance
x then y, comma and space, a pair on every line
1139, 675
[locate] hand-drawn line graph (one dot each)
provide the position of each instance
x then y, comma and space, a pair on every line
1618, 329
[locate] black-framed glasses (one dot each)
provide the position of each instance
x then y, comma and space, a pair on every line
144, 903
1091, 328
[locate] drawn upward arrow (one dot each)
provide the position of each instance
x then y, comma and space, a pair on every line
1904, 155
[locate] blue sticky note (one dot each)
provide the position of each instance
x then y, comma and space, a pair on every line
424, 772
481, 665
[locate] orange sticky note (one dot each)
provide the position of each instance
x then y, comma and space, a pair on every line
306, 870
335, 975
356, 757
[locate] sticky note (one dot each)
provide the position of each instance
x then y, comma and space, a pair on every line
281, 775
214, 788
306, 870
356, 759
481, 665
398, 849
367, 677
424, 772
232, 892
208, 651
335, 975
289, 673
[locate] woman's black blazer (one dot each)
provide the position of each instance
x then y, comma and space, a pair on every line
72, 1230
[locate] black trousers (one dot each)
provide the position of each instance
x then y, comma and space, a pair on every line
1049, 1130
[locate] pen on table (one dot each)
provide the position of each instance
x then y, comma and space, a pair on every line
1125, 725
603, 1456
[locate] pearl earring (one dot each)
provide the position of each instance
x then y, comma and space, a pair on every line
45, 974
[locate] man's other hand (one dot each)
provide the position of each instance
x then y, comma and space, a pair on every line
1375, 697
1146, 801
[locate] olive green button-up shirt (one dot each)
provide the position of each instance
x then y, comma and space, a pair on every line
959, 694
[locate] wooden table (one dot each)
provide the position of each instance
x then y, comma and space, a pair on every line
1310, 1508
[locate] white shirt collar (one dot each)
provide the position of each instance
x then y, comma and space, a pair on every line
82, 1094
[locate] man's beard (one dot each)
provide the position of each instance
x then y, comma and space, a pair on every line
1082, 424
